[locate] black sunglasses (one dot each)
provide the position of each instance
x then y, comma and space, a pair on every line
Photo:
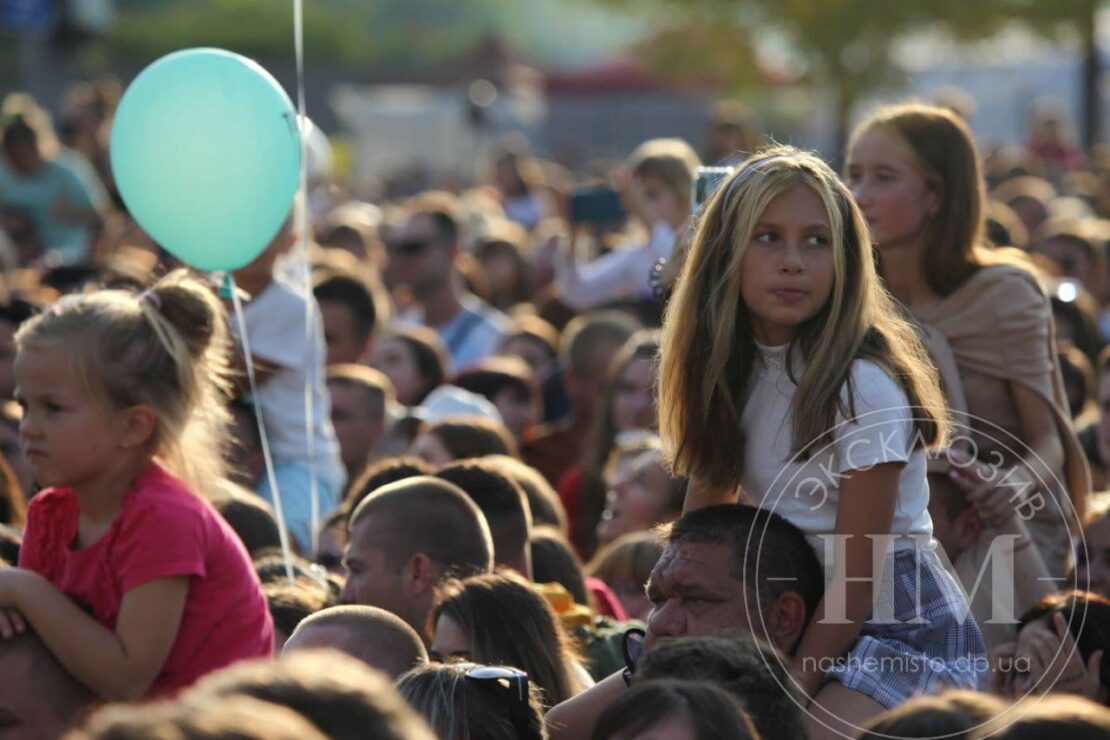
511, 681
511, 684
409, 247
632, 647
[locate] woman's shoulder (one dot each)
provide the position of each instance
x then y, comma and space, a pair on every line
1009, 277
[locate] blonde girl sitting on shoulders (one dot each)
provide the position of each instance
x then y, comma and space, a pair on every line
135, 583
787, 375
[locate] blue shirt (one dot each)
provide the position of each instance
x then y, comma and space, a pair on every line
36, 195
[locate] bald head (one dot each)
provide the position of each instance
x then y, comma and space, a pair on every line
407, 537
376, 637
427, 515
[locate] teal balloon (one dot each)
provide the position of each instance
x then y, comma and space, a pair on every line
206, 154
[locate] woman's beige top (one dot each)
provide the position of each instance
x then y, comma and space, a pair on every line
994, 330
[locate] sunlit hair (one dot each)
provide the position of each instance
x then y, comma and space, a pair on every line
168, 350
708, 349
941, 147
459, 708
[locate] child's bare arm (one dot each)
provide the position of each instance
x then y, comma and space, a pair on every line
866, 507
120, 665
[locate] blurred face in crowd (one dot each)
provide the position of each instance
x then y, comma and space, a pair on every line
371, 579
1072, 259
420, 257
7, 359
786, 273
890, 190
1031, 212
24, 159
449, 641
341, 334
637, 499
356, 427
632, 597
517, 410
505, 176
329, 547
1094, 562
658, 201
634, 400
395, 358
430, 448
532, 352
502, 272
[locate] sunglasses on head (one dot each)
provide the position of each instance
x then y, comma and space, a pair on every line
409, 247
510, 684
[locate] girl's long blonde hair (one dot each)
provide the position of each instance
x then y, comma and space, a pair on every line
708, 349
167, 349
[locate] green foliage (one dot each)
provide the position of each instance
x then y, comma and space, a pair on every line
262, 28
716, 54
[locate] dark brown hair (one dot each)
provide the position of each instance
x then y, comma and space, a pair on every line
431, 357
952, 715
754, 673
472, 436
709, 711
531, 639
502, 502
1088, 618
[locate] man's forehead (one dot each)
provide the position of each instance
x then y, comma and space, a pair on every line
684, 561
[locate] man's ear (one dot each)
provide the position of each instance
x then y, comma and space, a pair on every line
139, 425
786, 621
421, 575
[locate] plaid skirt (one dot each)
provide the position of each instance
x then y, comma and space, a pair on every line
920, 639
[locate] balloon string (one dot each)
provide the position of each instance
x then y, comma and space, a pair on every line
271, 475
306, 272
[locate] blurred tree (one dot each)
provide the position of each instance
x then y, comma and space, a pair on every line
848, 44
1076, 17
703, 53
257, 28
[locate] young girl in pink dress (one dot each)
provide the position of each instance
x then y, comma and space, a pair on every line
133, 581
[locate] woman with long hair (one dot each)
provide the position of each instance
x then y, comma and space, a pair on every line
627, 406
914, 170
501, 619
787, 374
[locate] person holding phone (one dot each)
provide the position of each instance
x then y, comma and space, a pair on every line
659, 194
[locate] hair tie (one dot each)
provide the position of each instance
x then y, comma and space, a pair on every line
152, 299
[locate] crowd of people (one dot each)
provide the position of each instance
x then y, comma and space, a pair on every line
629, 452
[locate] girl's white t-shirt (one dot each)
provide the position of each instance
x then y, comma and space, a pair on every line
807, 493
